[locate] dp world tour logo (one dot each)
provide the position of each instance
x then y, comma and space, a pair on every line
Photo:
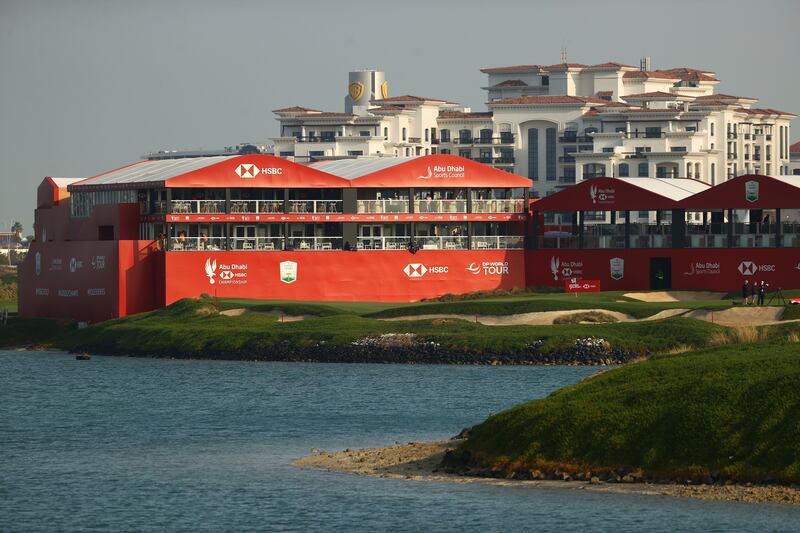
593, 193
415, 270
474, 268
247, 170
211, 270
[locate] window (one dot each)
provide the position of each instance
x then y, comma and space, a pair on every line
486, 136
464, 136
545, 80
445, 136
404, 135
355, 152
550, 154
652, 132
316, 153
444, 151
427, 135
364, 133
608, 150
386, 133
287, 154
677, 149
691, 128
464, 153
642, 170
712, 129
642, 149
623, 170
533, 154
620, 129
713, 172
328, 136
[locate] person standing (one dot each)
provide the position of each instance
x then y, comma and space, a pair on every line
745, 293
762, 293
753, 292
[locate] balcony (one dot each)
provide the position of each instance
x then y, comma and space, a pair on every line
509, 205
315, 206
185, 207
182, 243
574, 139
732, 135
414, 140
566, 180
463, 140
731, 156
382, 243
257, 206
566, 159
440, 206
756, 157
503, 160
382, 206
257, 243
442, 243
314, 243
503, 139
316, 139
497, 242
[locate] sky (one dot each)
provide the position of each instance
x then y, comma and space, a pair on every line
87, 86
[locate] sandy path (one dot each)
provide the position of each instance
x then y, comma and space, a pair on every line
543, 318
675, 296
420, 460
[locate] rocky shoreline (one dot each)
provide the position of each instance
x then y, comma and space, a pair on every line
407, 348
423, 461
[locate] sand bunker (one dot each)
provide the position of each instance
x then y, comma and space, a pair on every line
543, 318
235, 312
740, 316
280, 316
675, 296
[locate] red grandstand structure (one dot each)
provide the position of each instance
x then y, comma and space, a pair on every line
388, 229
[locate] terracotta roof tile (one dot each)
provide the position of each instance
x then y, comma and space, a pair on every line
652, 94
296, 109
459, 115
513, 68
386, 108
794, 148
691, 74
550, 100
612, 64
558, 66
605, 93
644, 74
511, 83
763, 111
410, 98
724, 97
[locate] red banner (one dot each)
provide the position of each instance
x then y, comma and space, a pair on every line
582, 285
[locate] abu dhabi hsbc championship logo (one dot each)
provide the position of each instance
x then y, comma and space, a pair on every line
247, 170
415, 270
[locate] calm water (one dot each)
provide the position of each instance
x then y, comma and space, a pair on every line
154, 445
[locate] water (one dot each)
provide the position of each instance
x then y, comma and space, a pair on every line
154, 445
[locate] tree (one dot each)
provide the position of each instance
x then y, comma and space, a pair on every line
16, 227
248, 149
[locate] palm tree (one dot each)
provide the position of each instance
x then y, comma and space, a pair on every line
16, 227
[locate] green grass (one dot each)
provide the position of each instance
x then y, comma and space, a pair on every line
611, 301
30, 332
192, 327
731, 409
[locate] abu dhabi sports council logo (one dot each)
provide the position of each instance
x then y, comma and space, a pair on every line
211, 270
427, 176
593, 194
554, 263
415, 270
247, 170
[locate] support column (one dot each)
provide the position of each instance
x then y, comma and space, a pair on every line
411, 200
469, 200
730, 228
285, 201
679, 228
285, 234
778, 229
227, 200
580, 229
227, 235
469, 235
627, 229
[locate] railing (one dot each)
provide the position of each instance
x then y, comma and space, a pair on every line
706, 241
198, 206
498, 242
573, 139
414, 140
566, 159
314, 243
382, 206
507, 160
732, 135
257, 243
382, 243
256, 206
317, 139
650, 241
463, 140
440, 206
587, 175
442, 243
643, 134
508, 205
567, 180
315, 206
184, 244
494, 140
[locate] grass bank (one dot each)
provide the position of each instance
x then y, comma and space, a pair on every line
730, 412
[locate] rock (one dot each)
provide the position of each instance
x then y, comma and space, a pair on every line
594, 480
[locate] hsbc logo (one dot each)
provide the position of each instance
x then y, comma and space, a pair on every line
415, 270
748, 268
250, 170
226, 274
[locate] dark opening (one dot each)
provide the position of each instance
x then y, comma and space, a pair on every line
660, 273
105, 233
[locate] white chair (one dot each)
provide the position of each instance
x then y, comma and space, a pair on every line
304, 245
327, 246
359, 245
269, 246
449, 245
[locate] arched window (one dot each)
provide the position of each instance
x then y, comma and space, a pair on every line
697, 171
642, 170
386, 133
404, 135
623, 170
486, 136
713, 172
427, 135
688, 170
712, 129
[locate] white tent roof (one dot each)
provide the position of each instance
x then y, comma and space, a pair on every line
673, 188
152, 171
355, 168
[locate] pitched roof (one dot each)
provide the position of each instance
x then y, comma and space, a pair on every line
795, 148
513, 68
459, 114
720, 96
561, 66
511, 83
691, 74
763, 111
612, 64
651, 95
645, 74
410, 98
549, 100
296, 109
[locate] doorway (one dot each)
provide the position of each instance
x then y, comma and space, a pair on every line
661, 273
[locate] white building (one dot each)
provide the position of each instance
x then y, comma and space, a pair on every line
794, 163
558, 124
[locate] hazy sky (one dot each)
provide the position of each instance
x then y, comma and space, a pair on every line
86, 86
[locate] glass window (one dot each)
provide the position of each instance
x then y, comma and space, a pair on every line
642, 170
623, 170
550, 155
533, 154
